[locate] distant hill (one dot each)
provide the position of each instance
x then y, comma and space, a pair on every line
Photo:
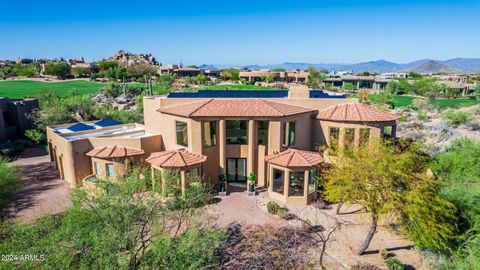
433, 67
455, 65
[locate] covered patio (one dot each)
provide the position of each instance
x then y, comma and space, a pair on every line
292, 176
188, 165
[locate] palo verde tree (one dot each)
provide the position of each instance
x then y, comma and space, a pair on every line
392, 180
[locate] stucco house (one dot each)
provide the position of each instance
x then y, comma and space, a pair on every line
276, 135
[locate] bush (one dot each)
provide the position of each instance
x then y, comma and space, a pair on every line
394, 264
403, 118
9, 181
420, 104
35, 135
422, 115
456, 118
273, 207
282, 212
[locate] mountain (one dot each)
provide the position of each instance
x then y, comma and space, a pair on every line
455, 65
466, 64
432, 67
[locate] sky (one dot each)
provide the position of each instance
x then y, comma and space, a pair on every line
242, 32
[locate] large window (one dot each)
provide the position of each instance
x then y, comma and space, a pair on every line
364, 137
278, 181
333, 138
110, 170
297, 184
236, 132
288, 133
209, 133
98, 168
312, 181
262, 132
388, 132
182, 133
349, 141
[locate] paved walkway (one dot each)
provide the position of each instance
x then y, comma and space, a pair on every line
240, 208
43, 192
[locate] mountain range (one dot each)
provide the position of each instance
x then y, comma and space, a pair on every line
424, 66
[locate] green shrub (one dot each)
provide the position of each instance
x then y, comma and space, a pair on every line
282, 212
9, 181
273, 207
35, 135
456, 118
394, 264
403, 118
422, 115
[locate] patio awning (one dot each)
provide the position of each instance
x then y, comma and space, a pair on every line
180, 158
293, 158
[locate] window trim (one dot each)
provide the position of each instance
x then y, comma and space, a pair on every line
107, 171
176, 133
215, 134
273, 179
98, 168
290, 182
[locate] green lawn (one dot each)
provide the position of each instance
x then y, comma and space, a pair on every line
404, 101
24, 88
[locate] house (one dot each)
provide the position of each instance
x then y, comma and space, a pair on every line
277, 136
293, 76
179, 70
14, 118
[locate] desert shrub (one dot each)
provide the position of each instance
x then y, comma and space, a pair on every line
422, 115
403, 118
282, 212
456, 118
420, 104
35, 135
9, 181
394, 264
364, 266
272, 207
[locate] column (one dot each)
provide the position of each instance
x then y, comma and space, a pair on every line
221, 145
183, 182
286, 185
153, 178
251, 147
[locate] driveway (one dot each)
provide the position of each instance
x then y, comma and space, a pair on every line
43, 192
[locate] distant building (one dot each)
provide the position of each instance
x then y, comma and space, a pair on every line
13, 117
393, 75
293, 76
23, 60
368, 82
179, 70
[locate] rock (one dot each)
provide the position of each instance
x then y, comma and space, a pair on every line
122, 99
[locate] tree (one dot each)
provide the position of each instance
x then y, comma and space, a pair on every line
231, 74
78, 72
315, 77
59, 69
389, 180
269, 78
349, 86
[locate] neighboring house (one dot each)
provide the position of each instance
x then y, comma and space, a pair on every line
14, 117
275, 135
293, 76
368, 82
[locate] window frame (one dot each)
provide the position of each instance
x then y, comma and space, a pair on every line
213, 137
240, 124
312, 174
107, 170
266, 132
98, 168
273, 181
292, 176
177, 132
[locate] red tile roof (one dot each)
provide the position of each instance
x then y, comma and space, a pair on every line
355, 112
113, 152
291, 158
234, 108
175, 159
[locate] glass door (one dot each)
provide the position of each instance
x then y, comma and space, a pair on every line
237, 169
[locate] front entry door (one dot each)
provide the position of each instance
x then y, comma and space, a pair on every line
237, 169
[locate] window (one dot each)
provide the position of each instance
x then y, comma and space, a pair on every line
262, 132
236, 132
312, 181
334, 136
297, 184
98, 168
110, 170
192, 174
364, 137
288, 132
387, 132
209, 133
182, 133
278, 181
291, 133
349, 140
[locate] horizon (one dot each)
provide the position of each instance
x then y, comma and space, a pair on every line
266, 33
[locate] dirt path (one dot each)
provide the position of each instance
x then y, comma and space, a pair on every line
42, 193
